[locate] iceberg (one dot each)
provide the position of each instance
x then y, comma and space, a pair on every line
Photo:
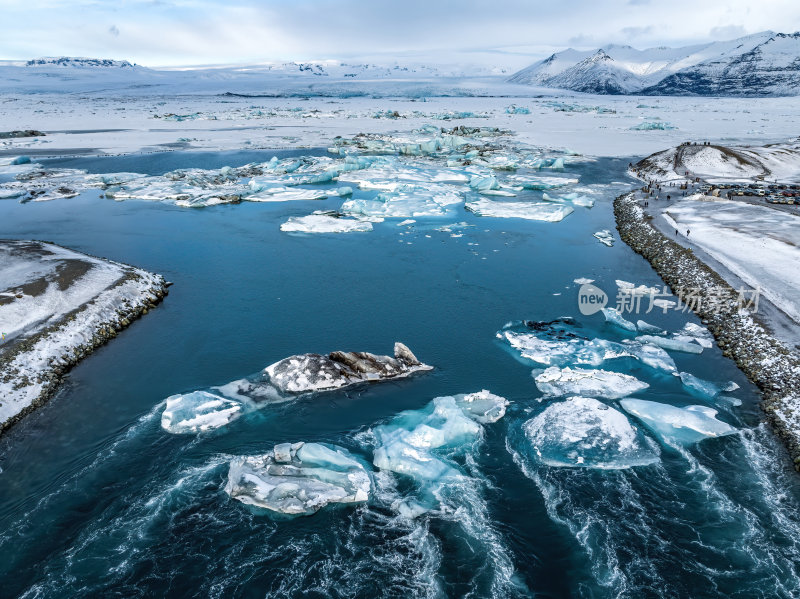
315, 372
696, 332
285, 194
325, 222
671, 344
285, 380
649, 329
605, 237
540, 183
557, 343
197, 412
583, 432
299, 478
615, 317
682, 425
604, 384
704, 388
417, 443
541, 211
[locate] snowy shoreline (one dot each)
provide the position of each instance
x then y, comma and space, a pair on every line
769, 364
94, 302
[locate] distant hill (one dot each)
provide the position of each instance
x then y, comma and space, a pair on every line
763, 64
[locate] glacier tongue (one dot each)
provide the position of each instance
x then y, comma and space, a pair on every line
682, 425
299, 478
584, 432
599, 383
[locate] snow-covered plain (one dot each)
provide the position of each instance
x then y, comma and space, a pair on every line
759, 245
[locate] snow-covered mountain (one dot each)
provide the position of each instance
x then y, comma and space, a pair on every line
763, 64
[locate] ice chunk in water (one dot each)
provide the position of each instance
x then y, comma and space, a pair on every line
542, 211
696, 332
584, 432
284, 381
705, 388
315, 372
198, 411
649, 329
614, 317
299, 478
413, 443
596, 383
320, 222
683, 425
605, 237
671, 344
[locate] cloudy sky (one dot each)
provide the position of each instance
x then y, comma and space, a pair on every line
193, 32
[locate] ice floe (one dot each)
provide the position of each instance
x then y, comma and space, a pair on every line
287, 379
198, 411
559, 343
541, 211
682, 425
615, 317
315, 372
604, 384
299, 478
419, 443
325, 222
672, 344
605, 237
584, 432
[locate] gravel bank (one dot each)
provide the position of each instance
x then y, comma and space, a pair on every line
769, 364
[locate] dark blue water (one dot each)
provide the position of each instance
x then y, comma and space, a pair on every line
97, 500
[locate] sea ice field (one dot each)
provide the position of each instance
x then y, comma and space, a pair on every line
260, 433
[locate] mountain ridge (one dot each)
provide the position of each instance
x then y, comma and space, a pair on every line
761, 64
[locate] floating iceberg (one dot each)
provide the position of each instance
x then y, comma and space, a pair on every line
540, 183
315, 372
683, 425
299, 478
696, 332
542, 211
557, 343
282, 381
605, 237
417, 443
286, 194
598, 383
514, 109
197, 412
649, 329
324, 222
653, 126
704, 388
671, 344
583, 432
614, 317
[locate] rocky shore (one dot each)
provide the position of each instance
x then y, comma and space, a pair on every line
769, 364
32, 367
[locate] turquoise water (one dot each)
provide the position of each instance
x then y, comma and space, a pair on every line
97, 500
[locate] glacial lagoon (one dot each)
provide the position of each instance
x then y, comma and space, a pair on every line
97, 498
